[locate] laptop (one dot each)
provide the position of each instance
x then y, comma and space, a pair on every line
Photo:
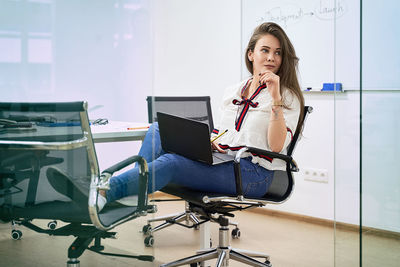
188, 138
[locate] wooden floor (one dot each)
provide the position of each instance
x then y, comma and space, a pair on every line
289, 242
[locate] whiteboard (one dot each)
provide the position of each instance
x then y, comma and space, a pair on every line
326, 38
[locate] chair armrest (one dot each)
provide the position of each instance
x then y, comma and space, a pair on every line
269, 154
142, 207
273, 155
123, 164
143, 177
238, 175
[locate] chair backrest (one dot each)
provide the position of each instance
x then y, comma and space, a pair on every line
29, 135
283, 182
292, 146
35, 137
191, 107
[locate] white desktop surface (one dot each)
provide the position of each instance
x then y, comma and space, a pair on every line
117, 131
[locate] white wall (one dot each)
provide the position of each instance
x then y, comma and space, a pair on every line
197, 47
315, 150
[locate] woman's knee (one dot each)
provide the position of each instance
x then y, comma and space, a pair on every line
154, 126
171, 159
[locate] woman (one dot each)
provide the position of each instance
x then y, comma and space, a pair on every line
263, 111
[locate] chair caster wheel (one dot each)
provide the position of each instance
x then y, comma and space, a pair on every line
73, 263
268, 263
236, 233
196, 264
197, 227
149, 241
146, 229
152, 209
52, 225
16, 234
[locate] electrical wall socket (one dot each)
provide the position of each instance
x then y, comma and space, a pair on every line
316, 175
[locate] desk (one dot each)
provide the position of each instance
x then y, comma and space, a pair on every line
117, 131
114, 131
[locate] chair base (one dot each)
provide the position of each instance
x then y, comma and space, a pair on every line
223, 253
73, 263
191, 219
84, 234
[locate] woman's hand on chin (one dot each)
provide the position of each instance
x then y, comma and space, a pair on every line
272, 81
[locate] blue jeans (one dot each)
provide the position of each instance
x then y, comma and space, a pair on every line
165, 168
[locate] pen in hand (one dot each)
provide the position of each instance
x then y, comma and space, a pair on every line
218, 136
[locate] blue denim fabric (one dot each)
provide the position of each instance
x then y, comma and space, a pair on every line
165, 168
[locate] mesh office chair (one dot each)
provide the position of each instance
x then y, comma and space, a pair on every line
192, 107
217, 207
45, 146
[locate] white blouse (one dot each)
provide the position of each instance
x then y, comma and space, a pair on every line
247, 122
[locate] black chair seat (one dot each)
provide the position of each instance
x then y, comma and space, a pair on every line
199, 204
115, 212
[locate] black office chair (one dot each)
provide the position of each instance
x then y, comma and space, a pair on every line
217, 207
48, 144
192, 107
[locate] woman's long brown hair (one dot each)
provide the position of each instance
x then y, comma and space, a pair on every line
288, 69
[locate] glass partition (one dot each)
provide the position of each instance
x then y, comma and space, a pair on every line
99, 52
380, 127
346, 133
367, 222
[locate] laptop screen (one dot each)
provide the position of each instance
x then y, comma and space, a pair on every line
185, 137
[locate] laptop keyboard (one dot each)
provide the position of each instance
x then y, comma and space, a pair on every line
218, 157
